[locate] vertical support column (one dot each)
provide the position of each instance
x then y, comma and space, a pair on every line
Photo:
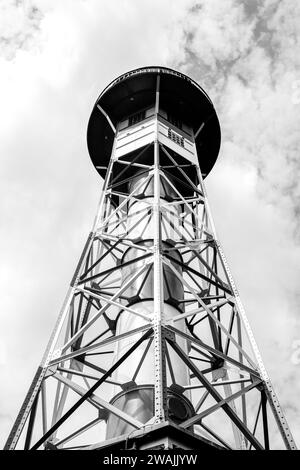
160, 391
160, 386
265, 419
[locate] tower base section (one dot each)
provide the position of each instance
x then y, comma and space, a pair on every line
162, 436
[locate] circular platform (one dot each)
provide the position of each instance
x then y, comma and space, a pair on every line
136, 90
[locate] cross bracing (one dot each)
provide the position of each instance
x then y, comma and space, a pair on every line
234, 405
152, 332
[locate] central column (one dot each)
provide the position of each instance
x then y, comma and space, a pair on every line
151, 391
160, 392
151, 388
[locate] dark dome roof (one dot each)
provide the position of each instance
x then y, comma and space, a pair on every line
135, 90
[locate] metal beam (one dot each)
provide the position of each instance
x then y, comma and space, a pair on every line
220, 401
90, 392
214, 351
107, 117
99, 402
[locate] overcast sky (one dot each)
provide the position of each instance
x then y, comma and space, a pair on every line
55, 58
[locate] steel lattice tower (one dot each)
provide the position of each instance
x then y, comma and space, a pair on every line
152, 347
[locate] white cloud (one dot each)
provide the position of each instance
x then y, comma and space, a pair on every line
220, 31
19, 25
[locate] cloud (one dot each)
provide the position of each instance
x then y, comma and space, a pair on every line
250, 64
19, 25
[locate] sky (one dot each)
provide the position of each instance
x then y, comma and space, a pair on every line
56, 56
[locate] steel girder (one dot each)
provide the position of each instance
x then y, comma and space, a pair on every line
69, 401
